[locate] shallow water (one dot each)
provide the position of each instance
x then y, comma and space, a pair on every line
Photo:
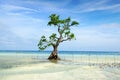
72, 67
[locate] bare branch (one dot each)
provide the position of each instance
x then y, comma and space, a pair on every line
59, 28
65, 39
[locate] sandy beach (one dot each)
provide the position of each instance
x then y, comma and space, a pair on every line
32, 67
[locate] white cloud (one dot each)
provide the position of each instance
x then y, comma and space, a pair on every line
20, 31
49, 3
106, 30
36, 6
52, 6
8, 7
95, 38
23, 31
96, 6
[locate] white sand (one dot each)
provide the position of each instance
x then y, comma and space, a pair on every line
53, 71
33, 69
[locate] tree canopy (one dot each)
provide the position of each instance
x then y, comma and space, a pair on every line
63, 27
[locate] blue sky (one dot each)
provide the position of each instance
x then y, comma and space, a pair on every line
22, 22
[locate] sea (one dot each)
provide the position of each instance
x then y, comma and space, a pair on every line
62, 52
74, 56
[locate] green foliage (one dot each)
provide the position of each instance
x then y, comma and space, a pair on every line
42, 43
74, 23
68, 19
64, 32
53, 39
67, 33
53, 36
72, 36
54, 19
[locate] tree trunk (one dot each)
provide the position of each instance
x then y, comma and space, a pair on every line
54, 54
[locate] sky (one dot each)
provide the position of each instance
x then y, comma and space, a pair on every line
23, 22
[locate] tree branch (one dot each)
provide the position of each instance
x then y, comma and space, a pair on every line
60, 38
65, 39
58, 28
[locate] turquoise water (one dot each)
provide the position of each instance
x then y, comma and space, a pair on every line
78, 57
64, 52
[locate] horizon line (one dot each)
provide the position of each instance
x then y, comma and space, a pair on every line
63, 50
